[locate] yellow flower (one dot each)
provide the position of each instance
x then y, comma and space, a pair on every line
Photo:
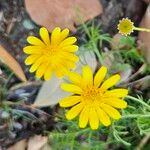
92, 100
126, 27
53, 54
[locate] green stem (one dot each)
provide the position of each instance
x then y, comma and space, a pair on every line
72, 143
72, 133
8, 80
89, 137
139, 101
94, 45
141, 29
98, 54
135, 116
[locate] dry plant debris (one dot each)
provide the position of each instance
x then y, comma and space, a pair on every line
36, 142
6, 58
63, 13
145, 36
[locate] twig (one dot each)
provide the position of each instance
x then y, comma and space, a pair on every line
134, 82
143, 142
26, 106
140, 70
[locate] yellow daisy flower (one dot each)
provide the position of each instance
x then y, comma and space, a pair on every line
92, 100
53, 54
126, 27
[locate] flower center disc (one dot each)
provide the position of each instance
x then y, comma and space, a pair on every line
50, 50
91, 94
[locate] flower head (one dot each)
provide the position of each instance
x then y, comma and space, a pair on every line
53, 54
92, 100
125, 26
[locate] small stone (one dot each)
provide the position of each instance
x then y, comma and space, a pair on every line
28, 24
12, 135
17, 126
1, 71
5, 115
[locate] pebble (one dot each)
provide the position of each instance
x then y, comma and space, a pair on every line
28, 24
5, 115
17, 126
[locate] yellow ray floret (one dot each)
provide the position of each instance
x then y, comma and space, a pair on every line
93, 101
126, 27
51, 54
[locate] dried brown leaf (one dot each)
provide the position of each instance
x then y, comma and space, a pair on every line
21, 145
12, 64
144, 37
115, 43
38, 142
50, 93
147, 1
62, 13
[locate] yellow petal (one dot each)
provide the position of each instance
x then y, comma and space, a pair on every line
115, 102
48, 74
74, 111
45, 35
69, 64
116, 93
32, 50
69, 56
84, 117
36, 64
68, 41
75, 78
71, 88
61, 71
41, 70
69, 101
93, 119
100, 75
58, 72
35, 41
110, 82
103, 117
87, 75
63, 68
112, 112
64, 34
55, 36
70, 48
31, 59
